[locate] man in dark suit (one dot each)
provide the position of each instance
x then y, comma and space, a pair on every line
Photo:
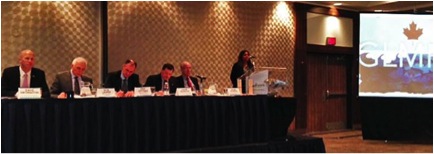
70, 81
124, 80
158, 80
24, 76
186, 80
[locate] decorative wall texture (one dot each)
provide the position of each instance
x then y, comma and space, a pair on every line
208, 34
56, 31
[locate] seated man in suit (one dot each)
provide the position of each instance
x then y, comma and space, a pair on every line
24, 76
158, 80
124, 80
70, 81
186, 80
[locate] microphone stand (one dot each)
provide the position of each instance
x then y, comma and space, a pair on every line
246, 76
201, 78
248, 73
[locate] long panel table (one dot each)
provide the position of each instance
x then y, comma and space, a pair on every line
143, 124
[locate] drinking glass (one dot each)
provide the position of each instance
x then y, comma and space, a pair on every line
152, 90
90, 86
87, 84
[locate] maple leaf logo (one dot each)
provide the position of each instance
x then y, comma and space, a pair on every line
412, 33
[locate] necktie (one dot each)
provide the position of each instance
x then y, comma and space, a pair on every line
76, 86
166, 86
190, 84
25, 81
124, 86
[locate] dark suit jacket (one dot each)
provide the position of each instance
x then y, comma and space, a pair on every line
11, 81
236, 72
156, 81
63, 83
114, 81
180, 82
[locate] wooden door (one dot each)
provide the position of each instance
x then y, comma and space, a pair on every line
326, 92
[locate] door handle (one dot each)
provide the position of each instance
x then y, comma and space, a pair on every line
329, 94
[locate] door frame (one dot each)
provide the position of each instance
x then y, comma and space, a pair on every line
300, 72
319, 97
353, 108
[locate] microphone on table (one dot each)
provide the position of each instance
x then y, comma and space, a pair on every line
201, 77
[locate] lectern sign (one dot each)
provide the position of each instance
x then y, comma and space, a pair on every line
259, 85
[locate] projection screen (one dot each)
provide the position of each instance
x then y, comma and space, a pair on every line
396, 55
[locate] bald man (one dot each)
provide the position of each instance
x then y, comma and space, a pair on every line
24, 75
124, 80
186, 80
66, 81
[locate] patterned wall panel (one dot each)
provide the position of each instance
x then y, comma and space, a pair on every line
208, 34
56, 31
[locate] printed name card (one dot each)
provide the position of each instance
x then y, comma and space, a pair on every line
233, 91
105, 92
29, 93
142, 91
183, 92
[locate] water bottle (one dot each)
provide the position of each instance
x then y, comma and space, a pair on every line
201, 89
166, 89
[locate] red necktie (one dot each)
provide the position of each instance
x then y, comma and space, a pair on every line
190, 84
25, 81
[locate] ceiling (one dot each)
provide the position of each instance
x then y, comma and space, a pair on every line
385, 6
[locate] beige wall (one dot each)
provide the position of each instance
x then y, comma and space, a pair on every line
208, 34
320, 26
56, 31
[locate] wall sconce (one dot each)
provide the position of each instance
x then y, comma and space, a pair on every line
331, 41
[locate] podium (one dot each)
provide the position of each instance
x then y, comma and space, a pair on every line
271, 81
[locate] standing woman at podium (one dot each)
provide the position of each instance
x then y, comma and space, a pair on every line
241, 69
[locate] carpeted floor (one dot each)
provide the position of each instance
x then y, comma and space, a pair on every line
352, 141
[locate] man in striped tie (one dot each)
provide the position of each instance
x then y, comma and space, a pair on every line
70, 81
186, 80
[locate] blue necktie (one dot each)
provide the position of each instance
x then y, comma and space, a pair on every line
76, 86
124, 86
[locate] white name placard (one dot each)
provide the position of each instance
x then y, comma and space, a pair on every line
233, 91
29, 93
142, 91
183, 92
105, 92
